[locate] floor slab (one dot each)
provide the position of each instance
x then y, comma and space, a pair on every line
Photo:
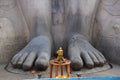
5, 75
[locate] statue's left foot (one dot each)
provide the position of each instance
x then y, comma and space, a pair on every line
82, 53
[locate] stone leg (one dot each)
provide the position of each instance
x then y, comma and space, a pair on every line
80, 16
38, 51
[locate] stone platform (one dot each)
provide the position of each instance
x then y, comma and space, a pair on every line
5, 75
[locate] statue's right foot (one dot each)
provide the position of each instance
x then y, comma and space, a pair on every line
36, 54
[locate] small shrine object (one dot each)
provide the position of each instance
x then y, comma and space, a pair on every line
60, 61
60, 55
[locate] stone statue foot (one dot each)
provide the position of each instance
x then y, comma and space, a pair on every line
82, 53
35, 55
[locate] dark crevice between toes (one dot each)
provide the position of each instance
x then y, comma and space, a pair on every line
14, 66
33, 66
19, 66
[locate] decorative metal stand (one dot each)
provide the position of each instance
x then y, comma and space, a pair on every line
60, 61
64, 64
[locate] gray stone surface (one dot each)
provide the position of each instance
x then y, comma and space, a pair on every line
59, 22
14, 33
4, 75
107, 30
68, 19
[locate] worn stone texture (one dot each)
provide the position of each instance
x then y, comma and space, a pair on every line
106, 31
4, 75
13, 30
30, 18
37, 10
